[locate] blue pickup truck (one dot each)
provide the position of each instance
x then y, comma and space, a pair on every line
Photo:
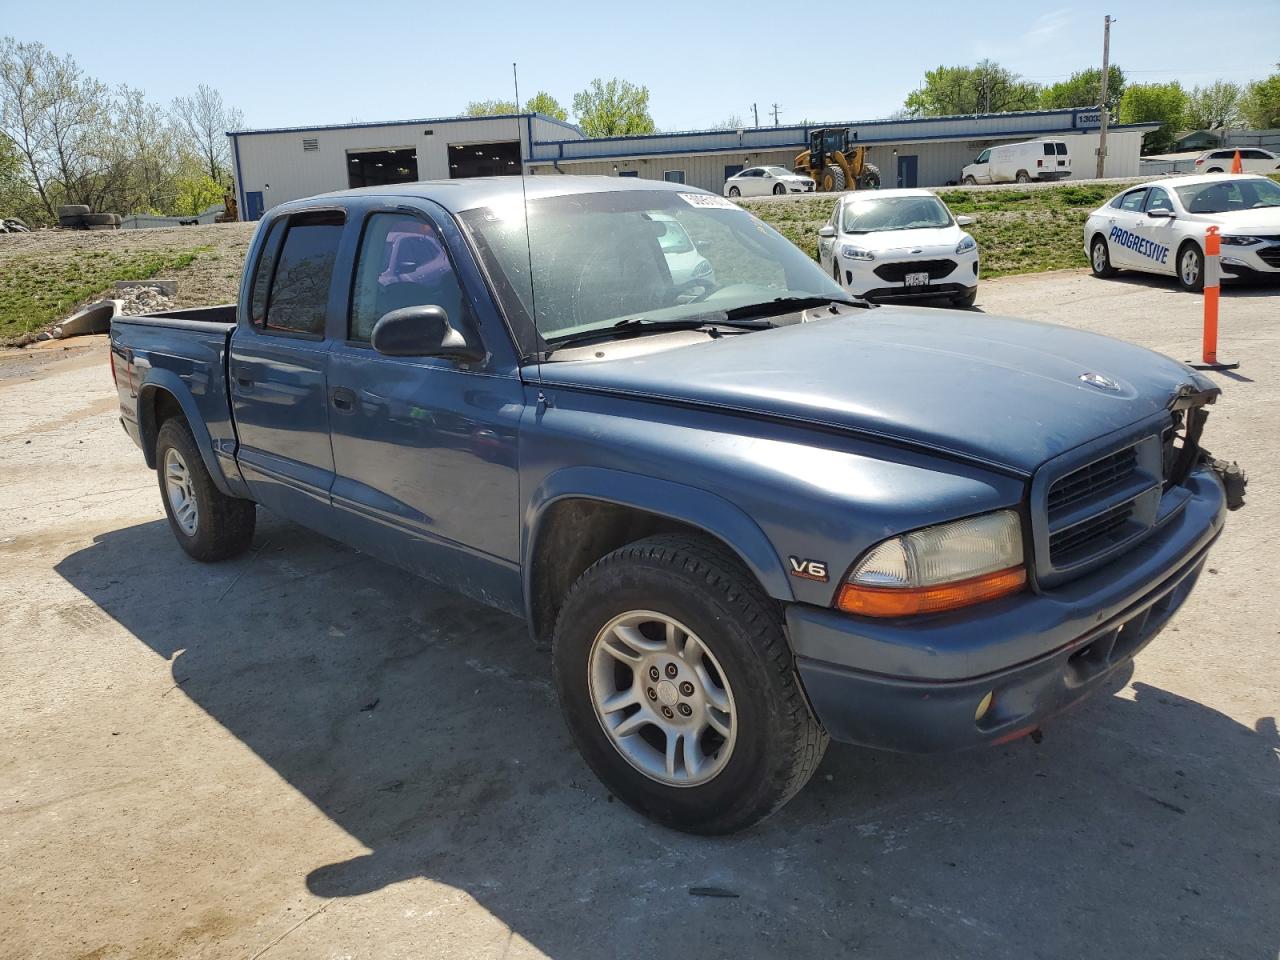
745, 512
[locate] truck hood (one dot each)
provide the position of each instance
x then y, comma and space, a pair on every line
995, 390
1265, 219
904, 242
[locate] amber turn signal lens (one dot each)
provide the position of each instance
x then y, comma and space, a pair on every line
906, 601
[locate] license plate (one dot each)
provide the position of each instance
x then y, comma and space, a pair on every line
917, 279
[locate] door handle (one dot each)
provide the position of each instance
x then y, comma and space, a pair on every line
244, 382
343, 399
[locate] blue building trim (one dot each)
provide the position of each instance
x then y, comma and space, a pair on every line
403, 123
235, 152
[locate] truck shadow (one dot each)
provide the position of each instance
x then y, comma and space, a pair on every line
426, 727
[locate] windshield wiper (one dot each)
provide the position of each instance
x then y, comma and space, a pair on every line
771, 308
640, 326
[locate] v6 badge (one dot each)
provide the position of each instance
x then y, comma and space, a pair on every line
808, 569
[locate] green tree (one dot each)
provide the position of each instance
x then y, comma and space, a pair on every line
1084, 89
196, 193
547, 105
1260, 106
985, 87
1213, 107
1163, 103
490, 108
613, 108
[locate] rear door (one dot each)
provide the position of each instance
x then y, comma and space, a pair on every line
277, 366
1123, 236
1155, 249
424, 448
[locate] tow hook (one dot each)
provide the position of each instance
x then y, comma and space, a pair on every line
1234, 480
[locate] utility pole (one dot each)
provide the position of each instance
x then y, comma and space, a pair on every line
755, 112
775, 114
1102, 113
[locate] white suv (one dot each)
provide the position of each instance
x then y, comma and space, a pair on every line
1252, 159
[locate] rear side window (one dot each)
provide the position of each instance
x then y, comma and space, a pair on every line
262, 275
1062, 149
299, 291
1133, 200
1048, 149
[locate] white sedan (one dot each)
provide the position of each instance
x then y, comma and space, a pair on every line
899, 244
1159, 227
762, 181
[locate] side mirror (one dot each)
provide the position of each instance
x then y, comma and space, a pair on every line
421, 332
826, 231
1160, 214
963, 221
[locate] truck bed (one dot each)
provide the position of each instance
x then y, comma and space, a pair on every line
217, 319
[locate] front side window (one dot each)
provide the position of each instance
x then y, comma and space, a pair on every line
983, 156
639, 255
402, 263
876, 214
1158, 199
299, 294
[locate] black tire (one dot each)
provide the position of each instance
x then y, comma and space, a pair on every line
72, 210
71, 223
835, 268
224, 525
832, 180
779, 189
735, 192
101, 219
870, 178
100, 226
1023, 177
1215, 170
965, 300
1100, 258
1193, 283
969, 182
778, 744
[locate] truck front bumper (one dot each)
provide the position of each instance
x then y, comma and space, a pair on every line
916, 685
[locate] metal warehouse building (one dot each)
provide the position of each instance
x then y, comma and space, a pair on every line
273, 166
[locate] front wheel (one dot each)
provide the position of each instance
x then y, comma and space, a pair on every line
1191, 268
969, 182
678, 687
735, 192
208, 524
1100, 259
965, 300
779, 189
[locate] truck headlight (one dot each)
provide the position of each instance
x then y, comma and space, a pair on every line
850, 252
938, 568
966, 244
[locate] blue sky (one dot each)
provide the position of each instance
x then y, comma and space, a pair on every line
301, 63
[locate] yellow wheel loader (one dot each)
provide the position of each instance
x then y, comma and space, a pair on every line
835, 163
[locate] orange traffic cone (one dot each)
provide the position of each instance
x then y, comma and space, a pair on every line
1236, 165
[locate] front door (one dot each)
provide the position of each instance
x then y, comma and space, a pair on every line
253, 205
907, 170
277, 368
424, 448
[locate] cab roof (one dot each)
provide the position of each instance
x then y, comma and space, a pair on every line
472, 192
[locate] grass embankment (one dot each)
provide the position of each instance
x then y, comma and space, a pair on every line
1018, 231
38, 290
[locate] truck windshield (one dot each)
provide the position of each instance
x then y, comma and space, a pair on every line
894, 213
1228, 196
640, 256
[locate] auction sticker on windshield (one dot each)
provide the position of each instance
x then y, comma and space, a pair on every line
708, 200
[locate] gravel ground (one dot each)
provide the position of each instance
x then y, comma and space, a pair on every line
306, 754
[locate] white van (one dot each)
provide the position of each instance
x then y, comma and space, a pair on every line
1020, 163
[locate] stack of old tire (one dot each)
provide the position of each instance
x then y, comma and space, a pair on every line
76, 216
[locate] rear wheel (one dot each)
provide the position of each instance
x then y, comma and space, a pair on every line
677, 684
735, 192
1100, 258
1191, 268
207, 523
1023, 177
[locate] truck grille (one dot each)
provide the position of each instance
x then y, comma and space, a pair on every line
1095, 501
897, 272
1270, 255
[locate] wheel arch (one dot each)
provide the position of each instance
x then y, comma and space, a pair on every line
162, 397
580, 514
